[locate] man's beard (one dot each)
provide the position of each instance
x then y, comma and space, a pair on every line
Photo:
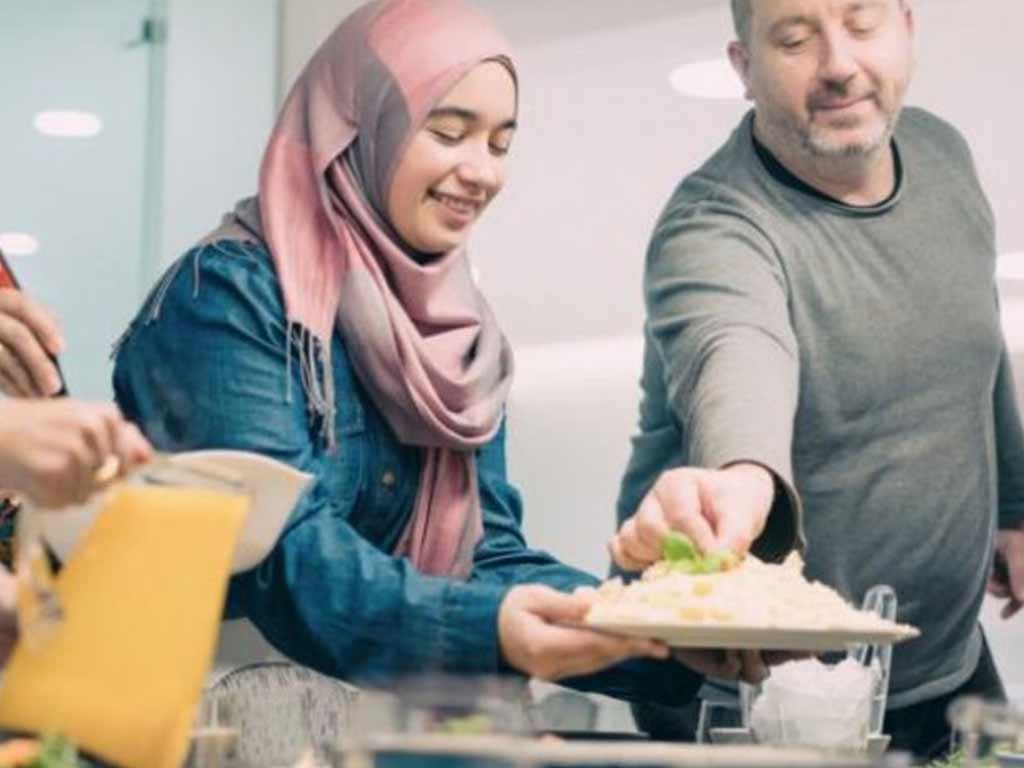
820, 142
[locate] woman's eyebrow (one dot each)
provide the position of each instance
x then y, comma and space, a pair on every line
468, 115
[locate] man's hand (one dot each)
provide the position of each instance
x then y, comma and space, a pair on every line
28, 335
1007, 578
720, 510
749, 666
536, 636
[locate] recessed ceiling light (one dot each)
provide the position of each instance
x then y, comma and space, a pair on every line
1010, 266
18, 243
708, 79
68, 123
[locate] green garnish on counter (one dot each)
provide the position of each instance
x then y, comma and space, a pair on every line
959, 760
48, 752
57, 752
471, 725
682, 556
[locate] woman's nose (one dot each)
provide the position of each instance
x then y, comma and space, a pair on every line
480, 167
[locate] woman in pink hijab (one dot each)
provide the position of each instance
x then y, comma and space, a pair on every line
332, 322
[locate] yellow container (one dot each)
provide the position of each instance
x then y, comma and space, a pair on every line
122, 674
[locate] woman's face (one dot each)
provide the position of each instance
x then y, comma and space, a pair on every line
455, 164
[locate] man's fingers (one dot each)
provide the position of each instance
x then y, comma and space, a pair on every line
621, 558
1013, 553
731, 665
775, 658
724, 665
680, 504
998, 588
651, 526
634, 547
735, 535
754, 670
1011, 608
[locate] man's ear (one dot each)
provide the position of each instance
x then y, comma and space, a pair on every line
739, 57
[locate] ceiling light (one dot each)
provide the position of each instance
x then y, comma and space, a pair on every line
18, 243
1010, 266
68, 123
708, 79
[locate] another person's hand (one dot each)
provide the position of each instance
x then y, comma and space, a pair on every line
719, 509
50, 450
28, 335
535, 639
8, 622
1007, 578
749, 666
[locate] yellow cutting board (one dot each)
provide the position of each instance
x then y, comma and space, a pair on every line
143, 597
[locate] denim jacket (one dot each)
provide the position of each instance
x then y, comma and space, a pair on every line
204, 366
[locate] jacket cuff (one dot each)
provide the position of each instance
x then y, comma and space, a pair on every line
469, 628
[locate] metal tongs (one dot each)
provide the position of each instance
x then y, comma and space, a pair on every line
39, 609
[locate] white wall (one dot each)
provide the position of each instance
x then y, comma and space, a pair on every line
81, 198
221, 84
603, 141
111, 210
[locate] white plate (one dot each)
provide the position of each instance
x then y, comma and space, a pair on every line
274, 489
757, 638
438, 749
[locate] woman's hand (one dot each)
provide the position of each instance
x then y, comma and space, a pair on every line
28, 336
536, 637
720, 510
50, 450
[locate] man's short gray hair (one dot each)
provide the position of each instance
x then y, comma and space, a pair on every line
741, 18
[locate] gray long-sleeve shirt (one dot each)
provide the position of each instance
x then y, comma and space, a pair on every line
857, 352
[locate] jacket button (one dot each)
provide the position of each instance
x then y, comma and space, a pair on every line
388, 479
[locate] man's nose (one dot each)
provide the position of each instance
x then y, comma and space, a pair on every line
838, 64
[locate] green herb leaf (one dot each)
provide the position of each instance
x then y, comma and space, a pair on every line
677, 547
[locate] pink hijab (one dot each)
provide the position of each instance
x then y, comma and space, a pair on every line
421, 337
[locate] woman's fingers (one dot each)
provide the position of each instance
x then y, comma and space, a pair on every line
132, 448
537, 636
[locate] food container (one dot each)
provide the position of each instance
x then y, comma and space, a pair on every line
811, 704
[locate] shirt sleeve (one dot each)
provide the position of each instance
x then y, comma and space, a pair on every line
504, 558
717, 310
1009, 446
206, 368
